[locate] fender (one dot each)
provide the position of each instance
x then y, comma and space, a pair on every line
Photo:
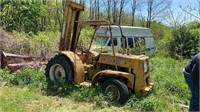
129, 77
79, 75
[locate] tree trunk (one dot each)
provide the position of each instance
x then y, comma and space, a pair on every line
90, 9
44, 18
120, 11
95, 9
98, 9
58, 16
149, 16
133, 12
108, 11
114, 11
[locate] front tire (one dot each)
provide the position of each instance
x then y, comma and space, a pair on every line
59, 69
117, 88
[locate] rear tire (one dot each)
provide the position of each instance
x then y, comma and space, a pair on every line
117, 88
59, 69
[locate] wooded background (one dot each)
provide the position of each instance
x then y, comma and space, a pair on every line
35, 16
48, 14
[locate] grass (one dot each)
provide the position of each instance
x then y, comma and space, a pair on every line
15, 99
27, 90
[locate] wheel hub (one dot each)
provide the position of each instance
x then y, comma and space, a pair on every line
111, 89
57, 73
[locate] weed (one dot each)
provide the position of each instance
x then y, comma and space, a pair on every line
24, 78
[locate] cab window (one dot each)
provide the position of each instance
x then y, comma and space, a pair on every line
130, 42
114, 40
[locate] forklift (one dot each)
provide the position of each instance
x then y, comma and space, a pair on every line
118, 74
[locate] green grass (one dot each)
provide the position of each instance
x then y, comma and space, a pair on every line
27, 90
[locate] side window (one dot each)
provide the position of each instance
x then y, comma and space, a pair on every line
130, 42
114, 40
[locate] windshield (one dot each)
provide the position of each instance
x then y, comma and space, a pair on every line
100, 41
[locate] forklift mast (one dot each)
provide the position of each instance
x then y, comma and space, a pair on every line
70, 31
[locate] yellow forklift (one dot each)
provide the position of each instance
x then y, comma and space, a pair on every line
118, 74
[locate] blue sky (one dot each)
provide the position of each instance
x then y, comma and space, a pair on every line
186, 4
175, 6
177, 3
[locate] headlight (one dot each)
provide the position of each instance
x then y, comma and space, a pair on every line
145, 66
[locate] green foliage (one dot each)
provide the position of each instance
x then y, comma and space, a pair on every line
23, 15
194, 25
157, 31
185, 41
139, 47
5, 75
27, 77
89, 94
162, 35
85, 36
79, 93
169, 82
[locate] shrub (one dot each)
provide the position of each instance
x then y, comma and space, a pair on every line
185, 42
85, 36
31, 78
139, 47
5, 75
162, 35
22, 15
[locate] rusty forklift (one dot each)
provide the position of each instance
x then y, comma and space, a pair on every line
118, 74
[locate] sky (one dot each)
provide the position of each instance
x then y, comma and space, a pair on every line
187, 5
184, 3
177, 11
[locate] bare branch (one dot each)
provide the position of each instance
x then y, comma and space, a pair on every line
189, 12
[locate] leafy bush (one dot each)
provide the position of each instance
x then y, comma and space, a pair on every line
139, 47
85, 36
185, 42
162, 35
5, 75
27, 77
22, 15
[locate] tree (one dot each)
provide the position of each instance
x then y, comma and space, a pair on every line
44, 17
135, 5
58, 11
91, 10
24, 16
82, 2
122, 5
175, 19
192, 12
115, 10
157, 9
108, 6
97, 8
185, 41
